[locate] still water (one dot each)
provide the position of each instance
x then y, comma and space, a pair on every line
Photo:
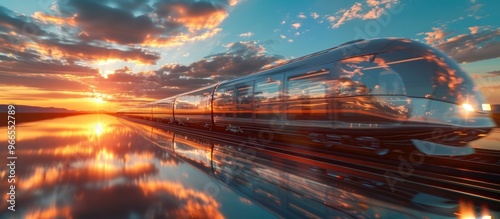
99, 166
93, 166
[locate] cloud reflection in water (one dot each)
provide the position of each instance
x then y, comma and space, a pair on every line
92, 166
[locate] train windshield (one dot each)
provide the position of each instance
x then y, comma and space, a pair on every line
431, 74
427, 74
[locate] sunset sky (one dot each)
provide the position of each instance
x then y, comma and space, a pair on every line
109, 54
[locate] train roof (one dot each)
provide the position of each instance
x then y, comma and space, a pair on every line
343, 51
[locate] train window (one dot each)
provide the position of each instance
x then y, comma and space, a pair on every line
305, 95
431, 74
244, 94
224, 101
414, 71
267, 97
309, 85
187, 102
268, 89
362, 76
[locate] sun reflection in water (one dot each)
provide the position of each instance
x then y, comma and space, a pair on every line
98, 129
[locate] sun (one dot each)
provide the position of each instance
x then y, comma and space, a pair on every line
98, 100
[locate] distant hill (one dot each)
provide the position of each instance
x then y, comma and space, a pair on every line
35, 109
26, 114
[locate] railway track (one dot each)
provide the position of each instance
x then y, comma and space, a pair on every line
404, 175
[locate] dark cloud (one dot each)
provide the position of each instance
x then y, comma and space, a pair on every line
45, 67
10, 21
124, 77
494, 73
23, 58
43, 82
241, 58
83, 51
135, 22
482, 45
25, 48
48, 96
102, 22
51, 50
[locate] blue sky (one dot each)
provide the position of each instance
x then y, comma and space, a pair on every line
61, 53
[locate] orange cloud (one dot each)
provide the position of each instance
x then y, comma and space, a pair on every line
436, 36
358, 11
45, 18
474, 29
197, 204
179, 39
296, 25
349, 14
197, 21
374, 13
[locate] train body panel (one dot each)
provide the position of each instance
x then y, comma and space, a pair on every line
163, 110
194, 108
383, 93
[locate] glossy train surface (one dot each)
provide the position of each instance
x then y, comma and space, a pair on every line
379, 94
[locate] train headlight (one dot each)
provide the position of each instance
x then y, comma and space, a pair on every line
486, 107
467, 107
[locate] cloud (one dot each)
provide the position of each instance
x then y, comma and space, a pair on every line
105, 23
43, 95
27, 48
474, 9
474, 29
247, 34
374, 13
109, 29
19, 24
436, 36
73, 35
194, 15
373, 9
314, 15
241, 58
46, 19
88, 52
350, 14
494, 73
296, 25
43, 82
482, 45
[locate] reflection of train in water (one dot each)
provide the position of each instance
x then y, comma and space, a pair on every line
292, 187
378, 94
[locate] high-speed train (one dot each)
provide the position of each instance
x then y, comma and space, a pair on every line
379, 94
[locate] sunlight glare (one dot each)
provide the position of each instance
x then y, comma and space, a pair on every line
98, 129
98, 100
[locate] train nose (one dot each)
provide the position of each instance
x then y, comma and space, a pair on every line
450, 127
465, 115
458, 124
